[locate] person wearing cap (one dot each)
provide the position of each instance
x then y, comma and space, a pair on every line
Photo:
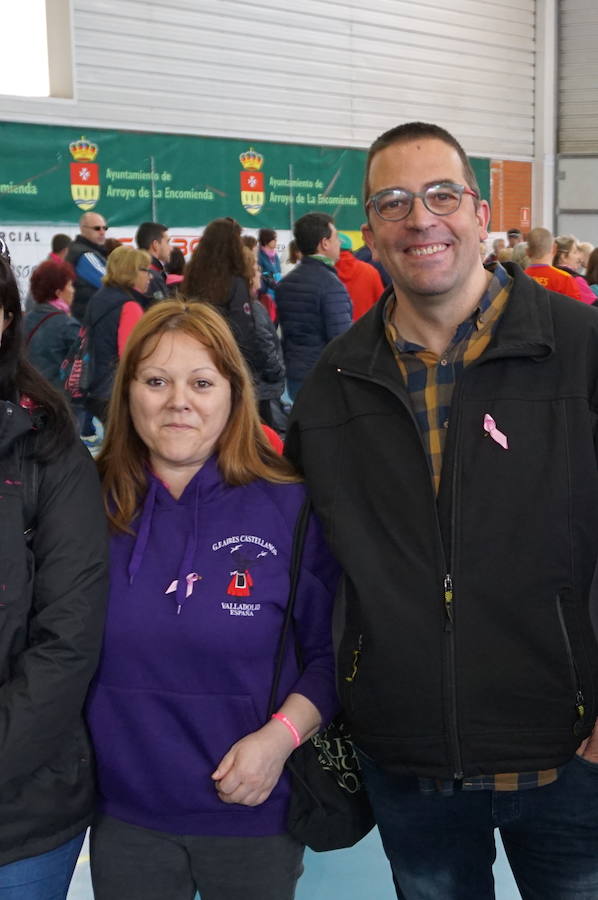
514, 237
362, 281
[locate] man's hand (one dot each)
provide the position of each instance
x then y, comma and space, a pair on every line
589, 748
250, 770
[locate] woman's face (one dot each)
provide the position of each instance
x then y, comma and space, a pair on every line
67, 293
179, 404
142, 279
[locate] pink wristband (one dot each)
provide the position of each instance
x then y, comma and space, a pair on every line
290, 726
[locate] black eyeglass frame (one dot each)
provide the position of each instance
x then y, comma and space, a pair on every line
97, 227
460, 189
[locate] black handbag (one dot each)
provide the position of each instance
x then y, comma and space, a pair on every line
329, 807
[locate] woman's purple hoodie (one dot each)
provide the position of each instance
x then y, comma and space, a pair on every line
196, 606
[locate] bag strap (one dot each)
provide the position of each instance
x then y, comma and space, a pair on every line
295, 570
40, 323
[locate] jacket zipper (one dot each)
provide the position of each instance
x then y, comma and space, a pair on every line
575, 679
448, 596
356, 658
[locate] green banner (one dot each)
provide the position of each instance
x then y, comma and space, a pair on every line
51, 175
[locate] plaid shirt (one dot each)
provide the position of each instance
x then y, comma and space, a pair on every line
430, 381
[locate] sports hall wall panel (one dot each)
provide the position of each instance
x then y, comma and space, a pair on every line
333, 72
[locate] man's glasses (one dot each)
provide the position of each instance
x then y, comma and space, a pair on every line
97, 227
141, 269
395, 204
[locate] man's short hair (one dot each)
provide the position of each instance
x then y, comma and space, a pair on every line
415, 131
310, 229
539, 243
60, 242
148, 232
514, 232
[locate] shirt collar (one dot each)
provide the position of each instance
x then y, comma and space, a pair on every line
500, 281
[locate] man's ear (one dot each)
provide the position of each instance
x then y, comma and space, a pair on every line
483, 217
368, 237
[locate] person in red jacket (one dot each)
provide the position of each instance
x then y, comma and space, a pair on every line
362, 281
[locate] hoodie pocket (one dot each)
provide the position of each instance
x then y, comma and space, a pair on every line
156, 750
577, 690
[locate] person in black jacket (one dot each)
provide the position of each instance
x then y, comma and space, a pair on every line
270, 380
53, 582
155, 240
312, 302
113, 312
448, 441
217, 274
87, 255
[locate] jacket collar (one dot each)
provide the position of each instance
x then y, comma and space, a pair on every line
525, 329
97, 248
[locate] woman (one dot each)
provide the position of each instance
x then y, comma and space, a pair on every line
270, 382
49, 328
568, 258
217, 274
592, 273
53, 584
191, 784
112, 313
268, 259
175, 268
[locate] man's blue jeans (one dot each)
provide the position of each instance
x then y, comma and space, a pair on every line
442, 848
43, 877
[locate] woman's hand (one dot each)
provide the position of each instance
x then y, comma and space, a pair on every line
250, 770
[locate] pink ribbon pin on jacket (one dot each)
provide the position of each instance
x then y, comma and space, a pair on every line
496, 435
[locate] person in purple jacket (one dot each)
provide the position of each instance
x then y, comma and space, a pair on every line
193, 794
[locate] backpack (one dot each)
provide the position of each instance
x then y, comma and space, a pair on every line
76, 368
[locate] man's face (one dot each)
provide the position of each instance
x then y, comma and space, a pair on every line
331, 246
94, 228
162, 249
430, 258
514, 239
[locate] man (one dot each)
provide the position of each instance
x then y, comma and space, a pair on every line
154, 238
514, 237
362, 281
87, 256
498, 244
313, 305
541, 248
448, 443
59, 247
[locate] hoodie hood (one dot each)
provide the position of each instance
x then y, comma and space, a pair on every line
346, 265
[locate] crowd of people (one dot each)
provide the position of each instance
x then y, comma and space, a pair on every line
441, 451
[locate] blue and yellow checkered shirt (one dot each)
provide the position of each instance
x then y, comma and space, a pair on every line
430, 381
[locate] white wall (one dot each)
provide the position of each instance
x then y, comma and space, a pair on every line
335, 72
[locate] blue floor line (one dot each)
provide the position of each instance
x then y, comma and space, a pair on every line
360, 873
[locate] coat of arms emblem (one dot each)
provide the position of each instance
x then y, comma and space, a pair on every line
252, 181
85, 174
